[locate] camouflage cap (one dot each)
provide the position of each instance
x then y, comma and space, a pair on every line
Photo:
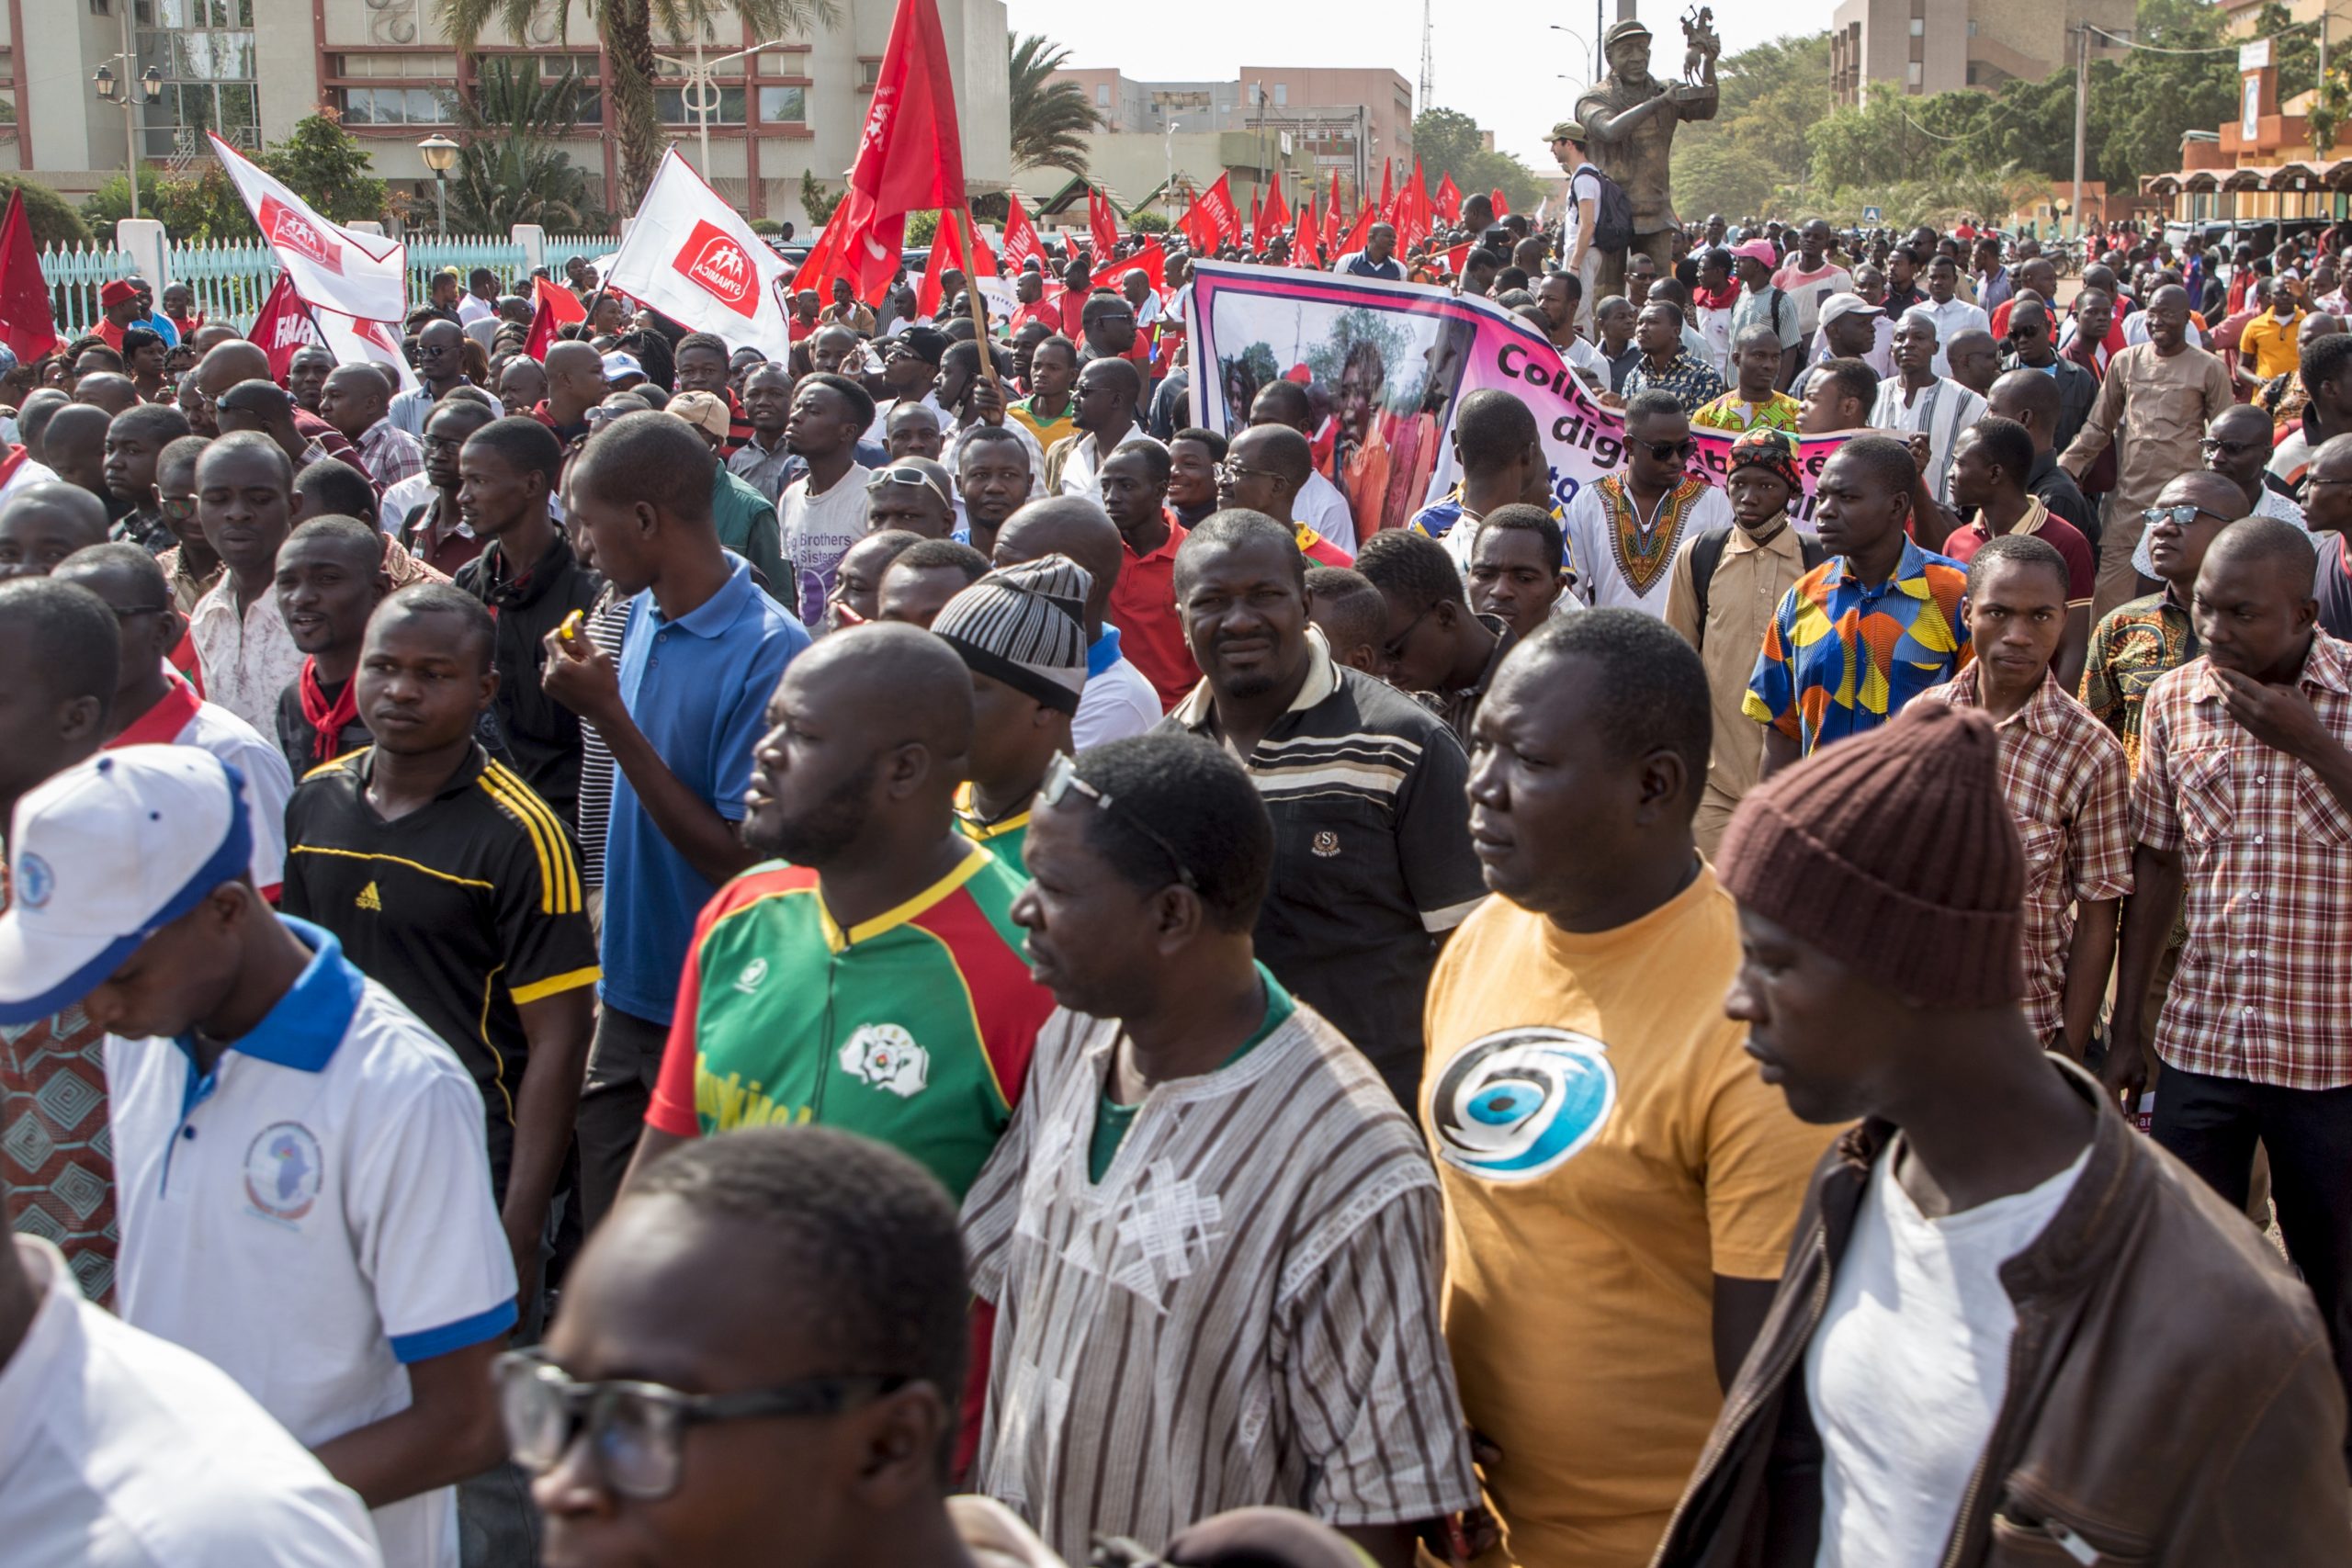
1569, 129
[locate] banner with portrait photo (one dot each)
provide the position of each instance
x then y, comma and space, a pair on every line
1385, 364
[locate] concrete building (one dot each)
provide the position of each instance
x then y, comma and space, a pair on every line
1351, 121
1922, 47
250, 69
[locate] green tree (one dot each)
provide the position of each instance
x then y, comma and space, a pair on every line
1750, 158
1449, 143
625, 27
509, 170
1050, 119
328, 167
816, 201
193, 208
48, 214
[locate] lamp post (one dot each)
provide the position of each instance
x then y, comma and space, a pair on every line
440, 154
148, 88
701, 92
1168, 186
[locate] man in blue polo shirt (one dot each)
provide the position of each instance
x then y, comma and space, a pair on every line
298, 1161
680, 710
1378, 257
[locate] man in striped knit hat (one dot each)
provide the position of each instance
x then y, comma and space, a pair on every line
1211, 1235
1022, 632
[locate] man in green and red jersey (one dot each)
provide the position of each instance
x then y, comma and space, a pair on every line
870, 977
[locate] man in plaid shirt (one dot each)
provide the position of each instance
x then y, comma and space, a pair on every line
355, 402
2064, 775
2244, 797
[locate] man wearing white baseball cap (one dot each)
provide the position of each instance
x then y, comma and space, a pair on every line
303, 1192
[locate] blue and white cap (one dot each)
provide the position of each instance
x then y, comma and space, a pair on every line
106, 855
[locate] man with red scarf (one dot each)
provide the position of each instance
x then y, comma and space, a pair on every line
330, 580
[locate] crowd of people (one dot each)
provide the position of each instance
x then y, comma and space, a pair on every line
899, 955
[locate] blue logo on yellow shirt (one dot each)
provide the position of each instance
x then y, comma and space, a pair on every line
1521, 1102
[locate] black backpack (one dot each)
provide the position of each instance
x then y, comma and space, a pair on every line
1707, 553
1612, 216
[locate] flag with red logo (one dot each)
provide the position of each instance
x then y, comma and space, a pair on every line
1448, 199
1151, 261
335, 268
287, 324
910, 158
1101, 222
1021, 242
1277, 210
553, 306
27, 324
1387, 205
1502, 208
1217, 202
692, 256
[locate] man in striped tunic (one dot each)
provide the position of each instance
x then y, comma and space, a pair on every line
1211, 1236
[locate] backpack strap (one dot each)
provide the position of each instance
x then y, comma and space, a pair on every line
1706, 554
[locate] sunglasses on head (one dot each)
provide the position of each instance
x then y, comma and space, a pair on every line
912, 478
1061, 778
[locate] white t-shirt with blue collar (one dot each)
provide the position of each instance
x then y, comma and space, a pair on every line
314, 1215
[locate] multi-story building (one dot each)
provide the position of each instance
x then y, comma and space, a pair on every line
1921, 47
1306, 121
250, 69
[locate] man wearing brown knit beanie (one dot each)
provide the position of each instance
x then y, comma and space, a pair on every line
2006, 1310
1620, 1188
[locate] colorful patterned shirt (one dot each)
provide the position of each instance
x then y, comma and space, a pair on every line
914, 1029
2136, 643
2266, 852
1731, 412
2067, 785
1693, 381
1839, 657
1628, 558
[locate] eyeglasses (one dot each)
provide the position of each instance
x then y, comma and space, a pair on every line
1061, 777
1230, 470
1666, 451
913, 479
1394, 649
2211, 445
2181, 514
636, 1430
180, 508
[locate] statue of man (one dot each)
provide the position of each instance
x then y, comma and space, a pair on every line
1631, 117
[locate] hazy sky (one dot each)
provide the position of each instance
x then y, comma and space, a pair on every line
1502, 71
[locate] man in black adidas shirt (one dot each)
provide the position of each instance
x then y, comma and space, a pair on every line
1372, 864
455, 887
531, 582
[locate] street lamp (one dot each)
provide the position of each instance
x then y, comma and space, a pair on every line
440, 154
701, 92
1582, 43
111, 91
1167, 187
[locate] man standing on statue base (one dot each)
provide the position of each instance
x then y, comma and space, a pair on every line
1630, 118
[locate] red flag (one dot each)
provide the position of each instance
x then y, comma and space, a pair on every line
1502, 208
1021, 240
1352, 241
1331, 220
1218, 202
1412, 208
1448, 200
1257, 229
1151, 261
1199, 225
1459, 257
1277, 212
27, 324
1103, 221
553, 306
946, 249
283, 327
1387, 194
1310, 234
911, 156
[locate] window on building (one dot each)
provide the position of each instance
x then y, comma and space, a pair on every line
1912, 74
676, 108
204, 49
1103, 94
783, 106
391, 105
1918, 26
1282, 93
869, 72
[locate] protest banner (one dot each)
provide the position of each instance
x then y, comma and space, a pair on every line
1385, 364
334, 268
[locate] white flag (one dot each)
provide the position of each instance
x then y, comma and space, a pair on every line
354, 342
334, 268
691, 257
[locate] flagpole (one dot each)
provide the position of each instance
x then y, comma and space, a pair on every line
972, 295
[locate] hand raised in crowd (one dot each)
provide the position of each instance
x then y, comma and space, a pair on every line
988, 401
581, 676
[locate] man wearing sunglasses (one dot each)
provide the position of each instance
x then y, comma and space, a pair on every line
756, 1360
2237, 446
1622, 529
1182, 1096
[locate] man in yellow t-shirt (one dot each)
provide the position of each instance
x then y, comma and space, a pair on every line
1619, 1184
2267, 346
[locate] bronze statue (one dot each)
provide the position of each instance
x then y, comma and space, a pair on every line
1699, 58
1630, 117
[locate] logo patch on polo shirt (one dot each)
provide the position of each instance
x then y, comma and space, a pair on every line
283, 1171
369, 899
888, 1057
753, 973
1326, 843
1521, 1102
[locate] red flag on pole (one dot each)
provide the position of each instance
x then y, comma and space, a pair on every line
1412, 208
1502, 208
1103, 222
1459, 256
1277, 212
1310, 234
1218, 202
1257, 226
1448, 200
1021, 240
553, 306
1199, 226
285, 325
1352, 241
1387, 194
1331, 220
911, 156
27, 324
1151, 261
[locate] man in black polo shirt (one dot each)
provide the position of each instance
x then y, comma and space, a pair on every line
528, 577
1373, 863
455, 887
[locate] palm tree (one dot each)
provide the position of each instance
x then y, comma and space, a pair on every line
1049, 118
626, 29
509, 170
